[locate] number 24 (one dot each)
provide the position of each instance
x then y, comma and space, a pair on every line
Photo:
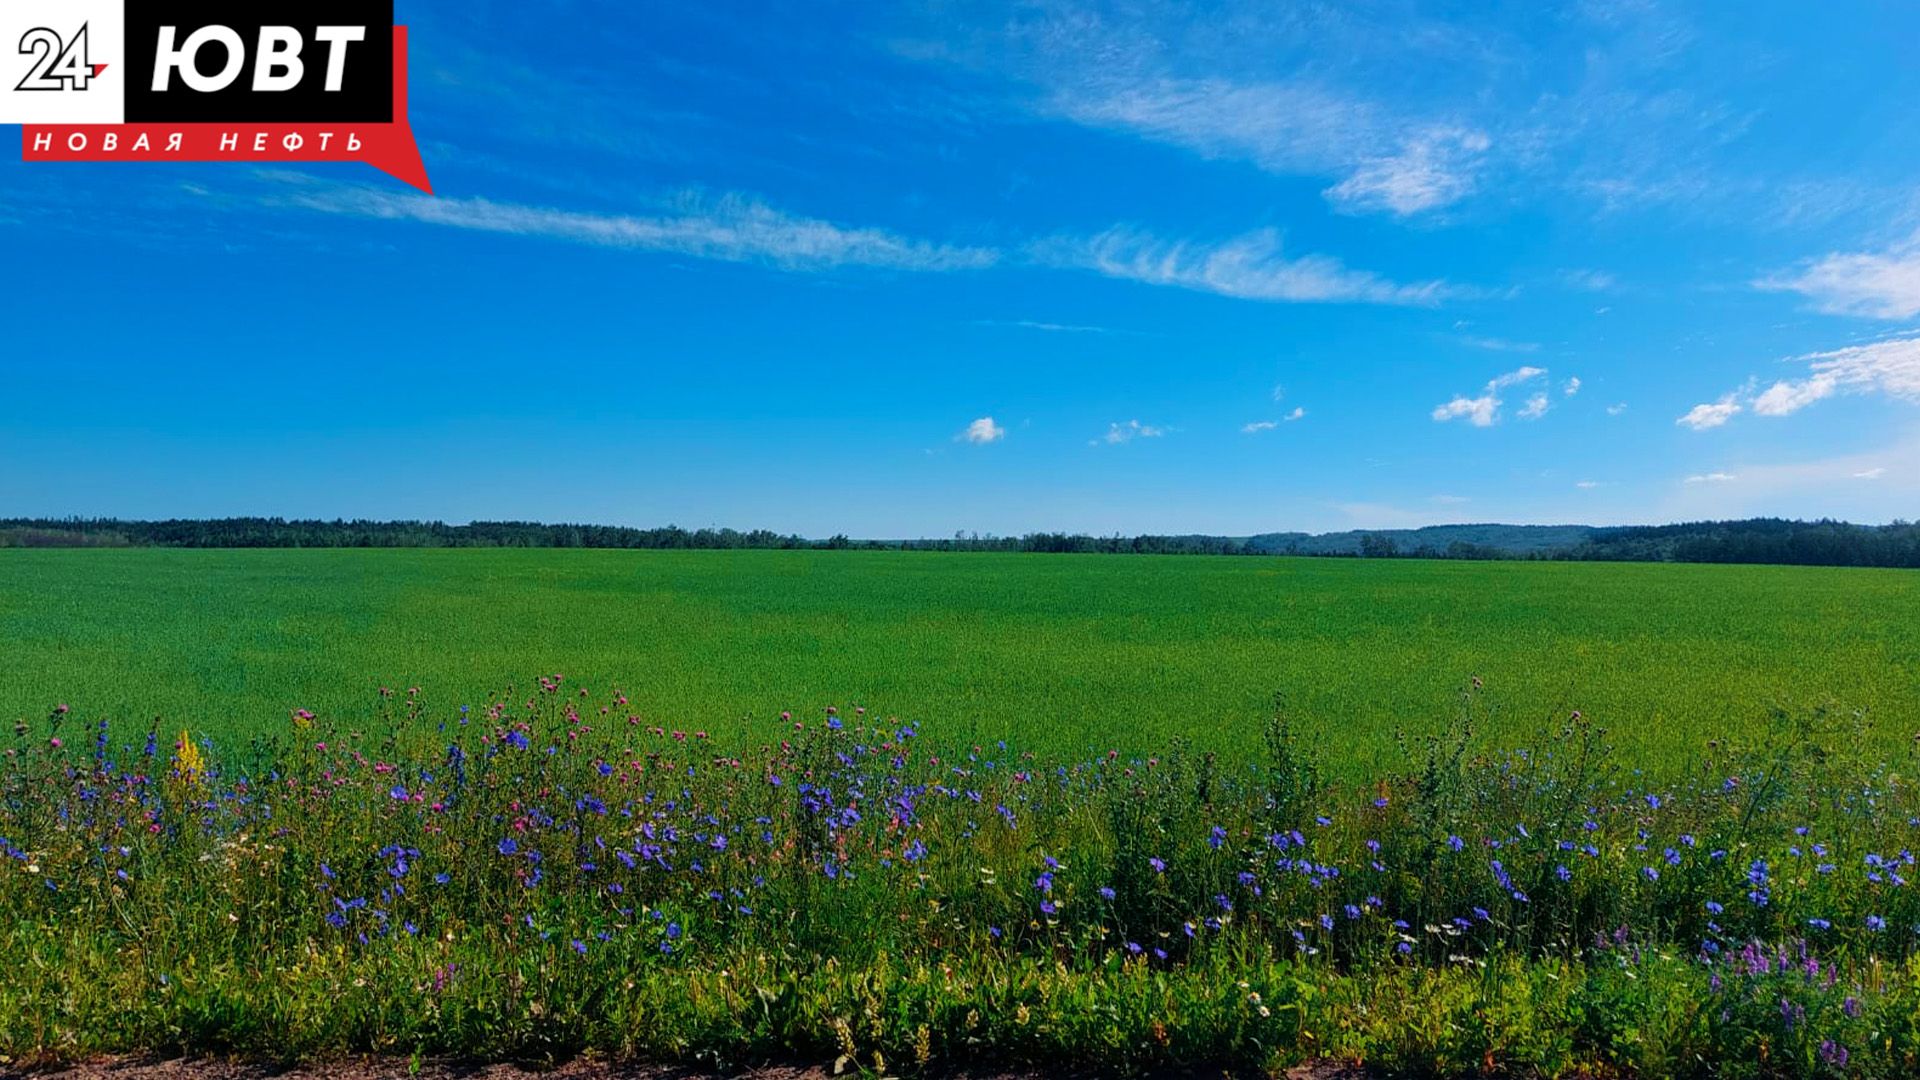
56, 65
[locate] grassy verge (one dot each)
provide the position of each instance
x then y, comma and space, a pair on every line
550, 875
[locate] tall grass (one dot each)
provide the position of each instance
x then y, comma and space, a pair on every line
550, 874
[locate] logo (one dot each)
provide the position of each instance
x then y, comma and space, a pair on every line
57, 64
213, 80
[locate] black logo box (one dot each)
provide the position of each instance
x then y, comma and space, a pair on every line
366, 90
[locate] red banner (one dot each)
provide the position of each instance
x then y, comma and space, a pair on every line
387, 147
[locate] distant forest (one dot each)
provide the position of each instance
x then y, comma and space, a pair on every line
1757, 540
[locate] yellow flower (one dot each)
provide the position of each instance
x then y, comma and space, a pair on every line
193, 765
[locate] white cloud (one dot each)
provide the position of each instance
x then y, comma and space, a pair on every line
1279, 393
1484, 411
1883, 285
1536, 407
1712, 478
1616, 409
1890, 367
1129, 431
1432, 168
1481, 411
982, 432
1785, 398
732, 228
1572, 386
1586, 485
1268, 425
1874, 473
1451, 500
1702, 417
1516, 377
1247, 267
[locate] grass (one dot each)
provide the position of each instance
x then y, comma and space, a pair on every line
1070, 654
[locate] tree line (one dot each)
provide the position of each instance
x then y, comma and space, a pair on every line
1757, 540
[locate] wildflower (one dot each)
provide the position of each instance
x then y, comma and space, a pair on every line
1159, 865
1876, 923
508, 846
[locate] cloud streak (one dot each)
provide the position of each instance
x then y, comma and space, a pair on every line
731, 228
1251, 266
1876, 285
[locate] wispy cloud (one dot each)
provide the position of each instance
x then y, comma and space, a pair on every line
1704, 417
1616, 408
1133, 429
1433, 168
1571, 386
1259, 426
981, 432
1294, 127
1890, 367
1484, 410
1536, 407
1879, 285
1712, 478
1248, 267
1874, 473
732, 228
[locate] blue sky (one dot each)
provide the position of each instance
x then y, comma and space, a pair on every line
901, 270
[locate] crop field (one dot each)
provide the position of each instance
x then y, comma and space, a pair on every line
1071, 654
907, 812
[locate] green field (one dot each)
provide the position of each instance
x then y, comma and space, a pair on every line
1065, 652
